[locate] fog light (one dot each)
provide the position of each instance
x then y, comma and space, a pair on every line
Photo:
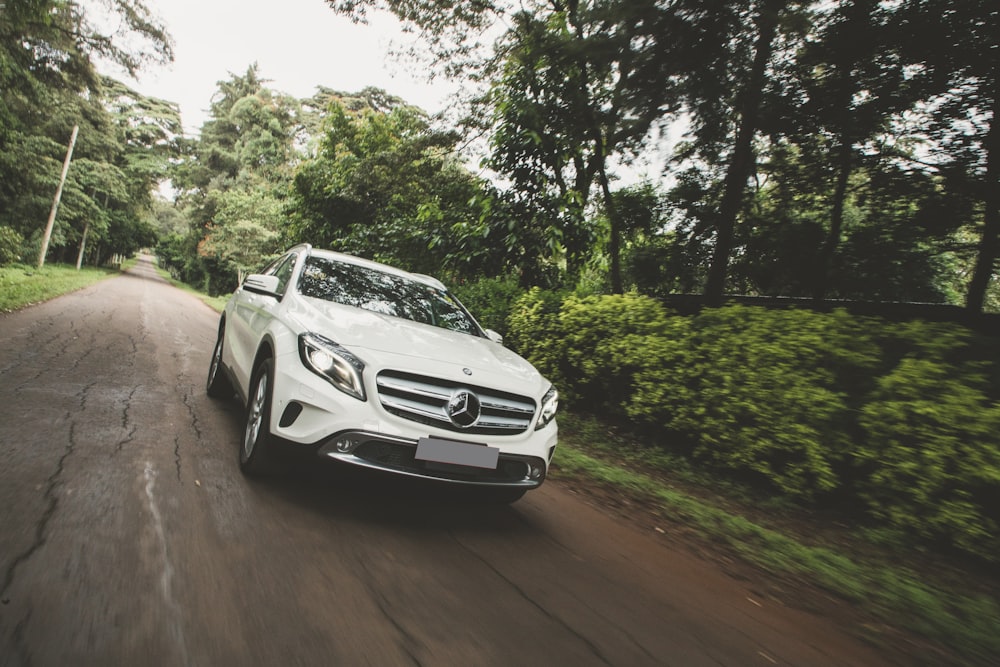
534, 472
345, 445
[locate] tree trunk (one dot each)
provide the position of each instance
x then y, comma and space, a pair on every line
822, 275
741, 165
47, 234
83, 245
614, 242
989, 245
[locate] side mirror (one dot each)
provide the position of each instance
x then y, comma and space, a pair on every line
261, 284
494, 336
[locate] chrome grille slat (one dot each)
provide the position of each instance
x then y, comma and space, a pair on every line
416, 407
424, 399
420, 388
509, 406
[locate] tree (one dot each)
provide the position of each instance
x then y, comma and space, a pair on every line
384, 185
956, 46
728, 81
581, 87
48, 83
233, 182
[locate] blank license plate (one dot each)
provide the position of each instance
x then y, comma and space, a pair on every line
457, 453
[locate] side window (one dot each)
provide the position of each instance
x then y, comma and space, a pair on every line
283, 270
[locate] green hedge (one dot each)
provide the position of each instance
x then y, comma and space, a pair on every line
900, 420
11, 244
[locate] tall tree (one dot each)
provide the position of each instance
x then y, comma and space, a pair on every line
833, 108
48, 83
582, 86
383, 185
234, 180
749, 30
957, 46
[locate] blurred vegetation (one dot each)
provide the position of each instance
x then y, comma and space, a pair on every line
897, 425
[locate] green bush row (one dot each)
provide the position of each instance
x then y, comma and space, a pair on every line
901, 421
11, 243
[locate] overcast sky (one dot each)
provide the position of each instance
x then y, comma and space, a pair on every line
297, 44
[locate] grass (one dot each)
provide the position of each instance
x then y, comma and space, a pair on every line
217, 303
968, 624
22, 285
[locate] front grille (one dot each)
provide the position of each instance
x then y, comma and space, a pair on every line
425, 400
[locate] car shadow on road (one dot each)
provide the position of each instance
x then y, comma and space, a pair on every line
334, 489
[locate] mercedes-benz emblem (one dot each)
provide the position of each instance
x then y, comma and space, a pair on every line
463, 409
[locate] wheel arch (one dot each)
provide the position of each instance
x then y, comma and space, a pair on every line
264, 351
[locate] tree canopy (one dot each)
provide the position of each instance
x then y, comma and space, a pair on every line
841, 149
48, 84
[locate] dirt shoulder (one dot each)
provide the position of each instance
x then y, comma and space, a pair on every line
799, 591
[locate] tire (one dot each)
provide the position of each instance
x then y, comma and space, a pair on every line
218, 384
256, 448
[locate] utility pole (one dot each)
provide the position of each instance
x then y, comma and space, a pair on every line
55, 202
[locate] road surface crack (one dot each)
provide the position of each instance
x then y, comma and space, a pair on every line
558, 620
383, 605
176, 626
186, 397
177, 456
41, 527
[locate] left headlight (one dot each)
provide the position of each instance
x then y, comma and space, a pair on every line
550, 404
333, 363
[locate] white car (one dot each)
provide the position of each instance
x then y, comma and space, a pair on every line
373, 366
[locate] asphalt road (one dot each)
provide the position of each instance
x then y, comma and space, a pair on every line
128, 535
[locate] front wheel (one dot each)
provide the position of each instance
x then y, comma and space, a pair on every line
258, 443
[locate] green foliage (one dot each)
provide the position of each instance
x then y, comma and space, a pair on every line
10, 245
48, 84
382, 175
243, 235
901, 421
534, 332
932, 454
757, 392
490, 300
595, 370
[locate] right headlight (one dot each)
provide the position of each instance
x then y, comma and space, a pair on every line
550, 404
333, 363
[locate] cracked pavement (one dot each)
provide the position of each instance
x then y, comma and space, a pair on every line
130, 537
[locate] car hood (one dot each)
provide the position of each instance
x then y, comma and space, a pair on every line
384, 341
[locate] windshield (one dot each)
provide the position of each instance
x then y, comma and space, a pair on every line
385, 293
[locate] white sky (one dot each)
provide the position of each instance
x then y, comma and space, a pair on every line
297, 44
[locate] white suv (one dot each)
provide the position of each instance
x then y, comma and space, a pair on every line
374, 366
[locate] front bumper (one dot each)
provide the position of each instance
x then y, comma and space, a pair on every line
398, 455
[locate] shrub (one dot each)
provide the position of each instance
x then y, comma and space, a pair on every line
759, 393
597, 368
932, 455
490, 300
534, 332
11, 244
902, 420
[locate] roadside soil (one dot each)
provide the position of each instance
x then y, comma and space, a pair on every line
788, 589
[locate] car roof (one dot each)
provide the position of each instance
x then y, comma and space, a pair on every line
376, 266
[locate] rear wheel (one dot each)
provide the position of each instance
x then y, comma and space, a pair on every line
256, 450
218, 385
